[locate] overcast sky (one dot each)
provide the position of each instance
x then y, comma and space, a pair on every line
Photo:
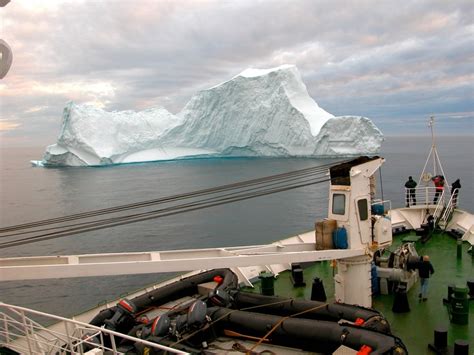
396, 62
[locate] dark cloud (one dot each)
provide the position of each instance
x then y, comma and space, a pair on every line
386, 60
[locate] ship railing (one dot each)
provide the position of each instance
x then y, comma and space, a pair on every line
424, 196
20, 333
440, 209
452, 204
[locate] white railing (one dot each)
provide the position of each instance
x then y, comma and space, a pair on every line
452, 204
20, 333
424, 196
439, 208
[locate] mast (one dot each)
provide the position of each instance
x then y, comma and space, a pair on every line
433, 154
433, 144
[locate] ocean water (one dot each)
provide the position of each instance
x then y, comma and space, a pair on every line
29, 194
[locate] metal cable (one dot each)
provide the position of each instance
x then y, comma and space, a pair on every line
154, 214
37, 230
167, 199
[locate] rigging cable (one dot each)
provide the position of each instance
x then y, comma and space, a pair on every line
167, 199
210, 199
133, 219
238, 192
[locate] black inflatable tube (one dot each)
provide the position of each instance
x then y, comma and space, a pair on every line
332, 312
306, 334
99, 319
181, 288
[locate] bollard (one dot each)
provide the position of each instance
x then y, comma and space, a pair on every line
297, 277
440, 340
317, 291
461, 347
266, 282
400, 301
295, 266
460, 306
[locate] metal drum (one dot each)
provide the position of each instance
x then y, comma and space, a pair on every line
460, 305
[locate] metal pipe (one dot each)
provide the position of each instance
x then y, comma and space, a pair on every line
391, 274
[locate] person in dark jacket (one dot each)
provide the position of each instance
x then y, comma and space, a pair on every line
410, 186
431, 221
425, 270
455, 186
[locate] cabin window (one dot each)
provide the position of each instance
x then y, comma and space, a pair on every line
362, 205
339, 204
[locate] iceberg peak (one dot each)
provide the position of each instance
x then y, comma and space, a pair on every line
253, 72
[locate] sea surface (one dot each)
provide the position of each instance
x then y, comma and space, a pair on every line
30, 193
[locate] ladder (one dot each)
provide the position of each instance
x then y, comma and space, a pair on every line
449, 209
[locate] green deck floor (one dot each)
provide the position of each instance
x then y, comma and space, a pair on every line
416, 327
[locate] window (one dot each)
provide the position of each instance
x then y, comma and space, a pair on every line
362, 205
339, 204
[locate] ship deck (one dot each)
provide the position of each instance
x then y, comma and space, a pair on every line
416, 327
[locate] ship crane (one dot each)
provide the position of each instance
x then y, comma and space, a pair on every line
350, 202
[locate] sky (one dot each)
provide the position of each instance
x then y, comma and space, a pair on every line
396, 62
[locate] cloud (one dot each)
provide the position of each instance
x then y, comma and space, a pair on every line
36, 109
7, 125
386, 60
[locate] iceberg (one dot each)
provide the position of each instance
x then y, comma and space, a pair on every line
348, 135
91, 136
260, 113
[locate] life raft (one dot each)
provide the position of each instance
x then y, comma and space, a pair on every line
301, 324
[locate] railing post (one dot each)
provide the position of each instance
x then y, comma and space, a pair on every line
69, 342
7, 334
80, 345
102, 340
23, 319
112, 340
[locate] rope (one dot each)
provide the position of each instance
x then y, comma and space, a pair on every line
281, 321
225, 315
250, 351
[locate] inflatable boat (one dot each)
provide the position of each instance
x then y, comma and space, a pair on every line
195, 313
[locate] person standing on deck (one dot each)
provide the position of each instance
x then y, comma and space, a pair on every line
455, 186
425, 270
410, 186
431, 221
438, 181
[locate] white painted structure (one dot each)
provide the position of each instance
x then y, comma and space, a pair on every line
276, 256
350, 201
